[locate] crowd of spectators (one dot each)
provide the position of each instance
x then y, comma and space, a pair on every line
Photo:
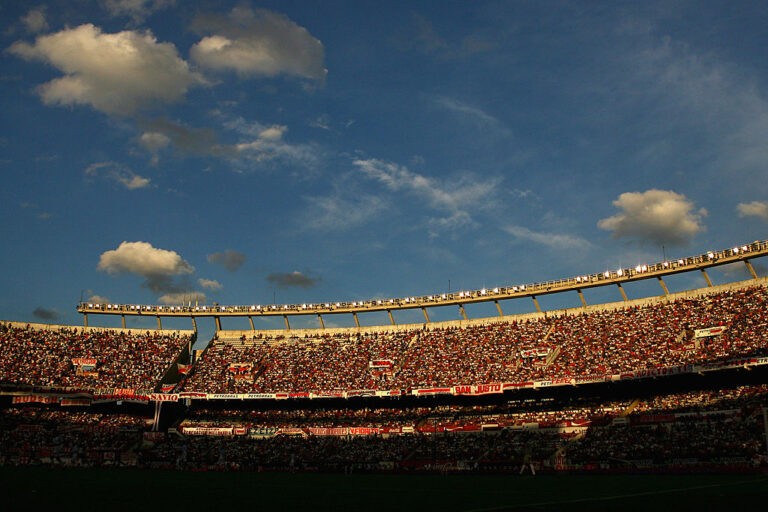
576, 433
726, 430
691, 427
52, 358
32, 434
600, 342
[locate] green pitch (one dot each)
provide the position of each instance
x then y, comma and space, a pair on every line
144, 490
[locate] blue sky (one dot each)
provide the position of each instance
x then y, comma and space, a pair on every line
245, 153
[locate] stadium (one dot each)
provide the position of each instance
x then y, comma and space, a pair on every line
674, 383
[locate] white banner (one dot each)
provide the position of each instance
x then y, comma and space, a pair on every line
709, 331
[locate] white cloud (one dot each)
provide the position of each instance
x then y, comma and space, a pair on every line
154, 141
658, 216
118, 174
465, 193
553, 240
118, 74
34, 21
342, 211
754, 209
182, 298
258, 42
209, 284
98, 299
261, 145
470, 112
137, 10
142, 259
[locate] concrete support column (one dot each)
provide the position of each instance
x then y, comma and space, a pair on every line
751, 269
536, 303
498, 308
623, 293
663, 286
426, 315
581, 296
706, 277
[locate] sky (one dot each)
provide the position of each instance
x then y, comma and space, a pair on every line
167, 152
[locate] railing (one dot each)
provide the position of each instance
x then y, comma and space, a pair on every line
655, 270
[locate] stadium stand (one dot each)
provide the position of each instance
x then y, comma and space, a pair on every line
667, 384
82, 359
709, 328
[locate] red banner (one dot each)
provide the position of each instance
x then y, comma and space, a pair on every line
322, 431
35, 399
363, 431
478, 389
84, 361
381, 363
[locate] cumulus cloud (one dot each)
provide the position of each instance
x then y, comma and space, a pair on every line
118, 174
257, 43
757, 209
293, 279
46, 314
552, 240
209, 284
229, 259
98, 299
658, 216
157, 266
118, 74
34, 21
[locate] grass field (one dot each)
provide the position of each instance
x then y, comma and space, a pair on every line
143, 490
